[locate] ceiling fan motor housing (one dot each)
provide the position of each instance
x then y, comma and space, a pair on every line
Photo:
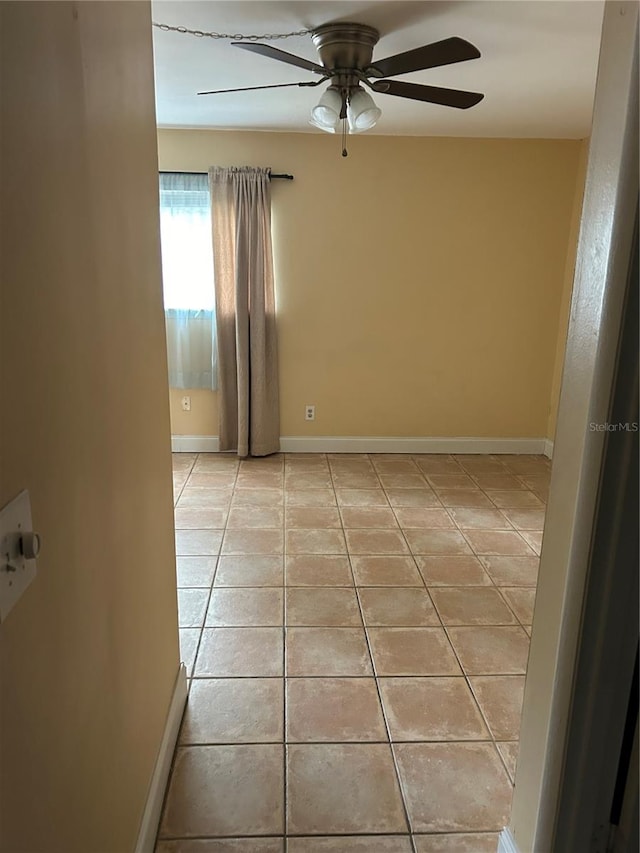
345, 46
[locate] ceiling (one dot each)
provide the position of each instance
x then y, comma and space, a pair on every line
537, 69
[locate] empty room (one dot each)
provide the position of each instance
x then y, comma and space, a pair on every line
317, 468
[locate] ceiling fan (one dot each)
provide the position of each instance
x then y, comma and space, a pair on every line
346, 62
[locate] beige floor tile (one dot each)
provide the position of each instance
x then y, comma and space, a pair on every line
521, 600
535, 480
438, 464
315, 542
368, 517
309, 497
412, 651
454, 786
327, 651
257, 497
412, 498
509, 752
351, 844
312, 517
222, 845
432, 542
274, 461
527, 463
538, 485
398, 465
223, 461
258, 541
468, 605
500, 700
457, 842
183, 460
234, 710
355, 480
526, 519
194, 518
473, 463
318, 570
451, 481
342, 788
464, 498
307, 480
260, 480
205, 498
397, 607
371, 542
385, 571
498, 481
512, 571
479, 518
195, 571
402, 480
514, 498
310, 462
416, 516
358, 466
431, 709
497, 542
501, 650
225, 790
452, 571
195, 543
253, 570
211, 479
233, 652
255, 516
189, 639
361, 497
534, 539
322, 607
261, 606
333, 710
192, 604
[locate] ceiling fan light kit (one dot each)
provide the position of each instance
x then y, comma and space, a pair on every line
346, 63
326, 113
362, 112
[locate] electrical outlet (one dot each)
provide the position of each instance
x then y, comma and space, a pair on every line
186, 404
309, 413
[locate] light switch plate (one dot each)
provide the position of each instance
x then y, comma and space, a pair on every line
16, 571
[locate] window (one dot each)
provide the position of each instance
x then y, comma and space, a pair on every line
188, 279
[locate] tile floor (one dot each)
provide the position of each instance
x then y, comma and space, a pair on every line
356, 629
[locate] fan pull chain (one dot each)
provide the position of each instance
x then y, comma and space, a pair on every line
345, 153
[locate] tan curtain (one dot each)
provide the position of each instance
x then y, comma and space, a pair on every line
245, 311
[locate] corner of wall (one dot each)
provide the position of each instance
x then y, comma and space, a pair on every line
567, 288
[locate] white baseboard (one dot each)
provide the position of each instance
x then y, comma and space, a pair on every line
194, 443
151, 816
506, 842
548, 448
401, 444
377, 444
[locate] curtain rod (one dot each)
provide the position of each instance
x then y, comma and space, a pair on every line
272, 176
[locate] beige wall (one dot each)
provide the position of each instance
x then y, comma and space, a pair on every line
567, 289
419, 281
89, 655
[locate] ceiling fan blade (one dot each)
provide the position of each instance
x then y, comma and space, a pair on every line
443, 52
431, 94
281, 55
253, 88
